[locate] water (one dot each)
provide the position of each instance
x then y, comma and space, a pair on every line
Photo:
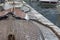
50, 13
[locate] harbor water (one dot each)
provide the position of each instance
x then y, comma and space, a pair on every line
51, 14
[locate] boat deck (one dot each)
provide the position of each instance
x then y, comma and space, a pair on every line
24, 30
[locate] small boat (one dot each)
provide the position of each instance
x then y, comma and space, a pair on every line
13, 29
48, 3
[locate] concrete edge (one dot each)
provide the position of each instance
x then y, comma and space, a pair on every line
45, 21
